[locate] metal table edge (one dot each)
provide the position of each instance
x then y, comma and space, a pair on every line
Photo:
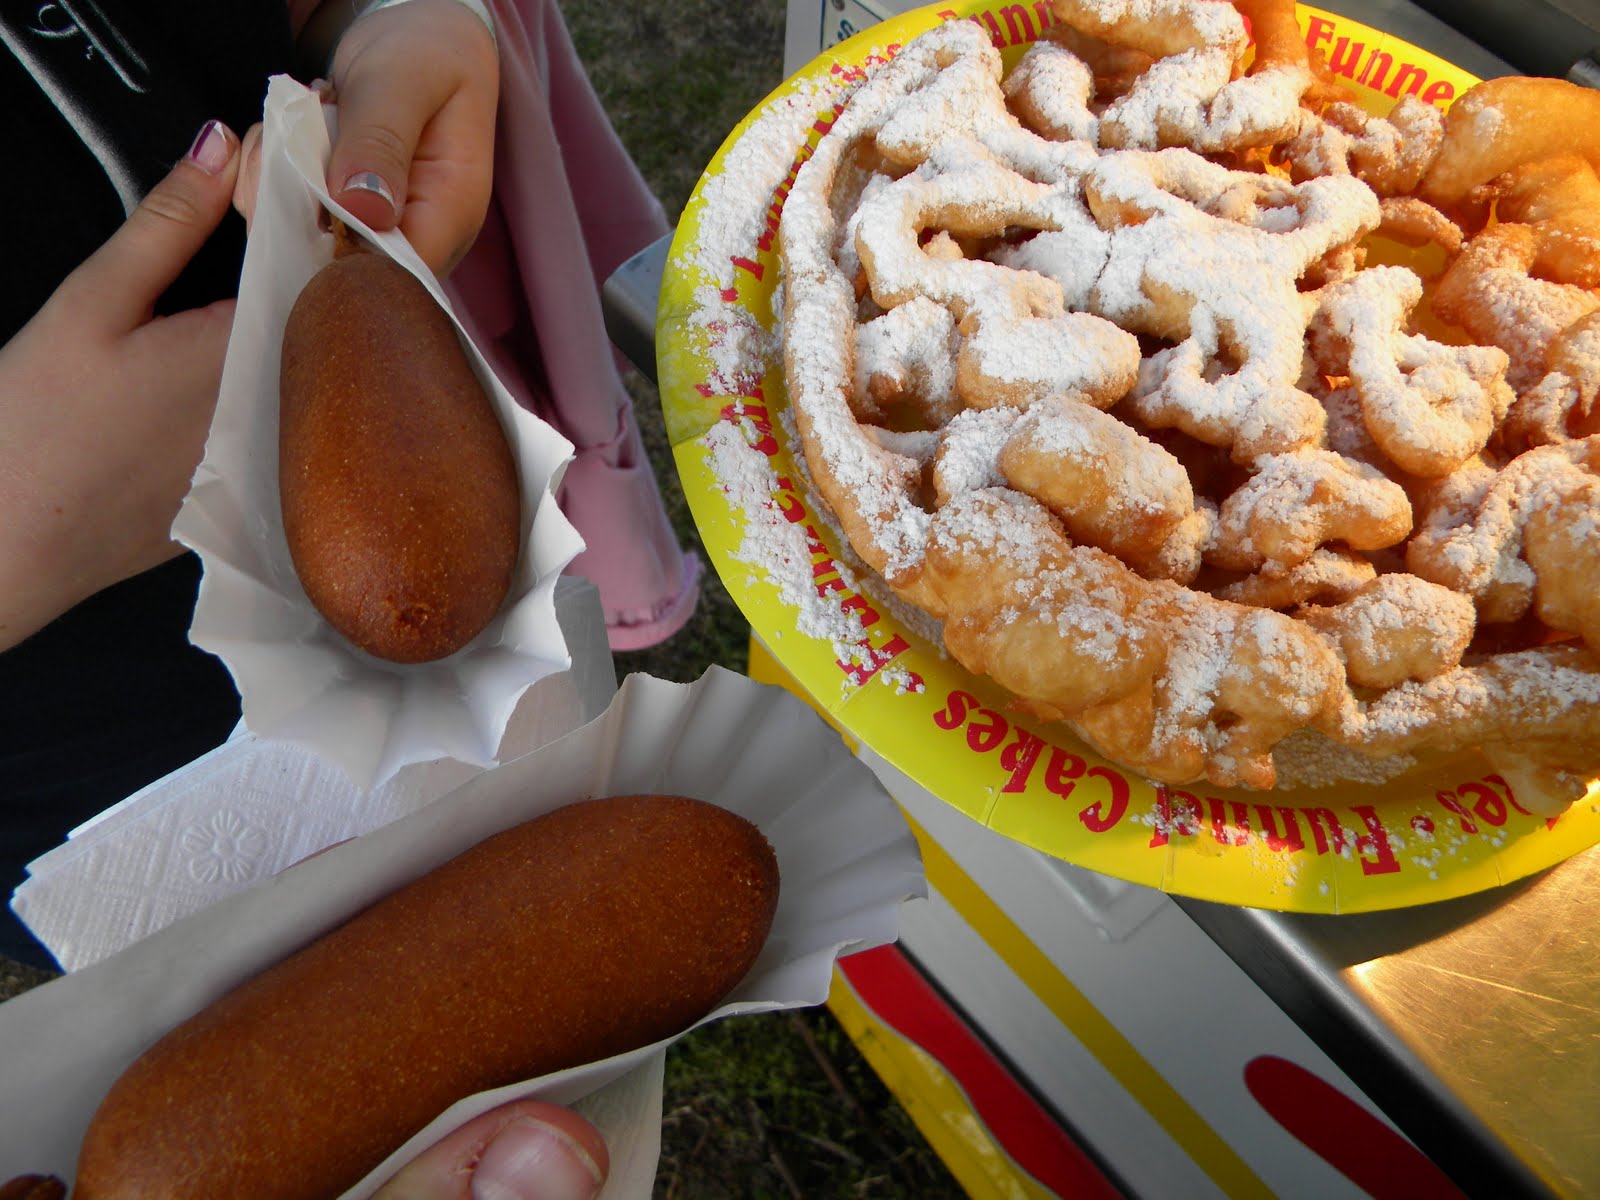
1290, 964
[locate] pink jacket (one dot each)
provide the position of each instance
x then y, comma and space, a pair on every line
569, 206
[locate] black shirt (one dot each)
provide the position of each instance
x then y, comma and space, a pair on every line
102, 97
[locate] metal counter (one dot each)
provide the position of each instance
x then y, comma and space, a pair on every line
1473, 1023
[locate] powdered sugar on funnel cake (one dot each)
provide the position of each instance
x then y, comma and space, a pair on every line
1087, 363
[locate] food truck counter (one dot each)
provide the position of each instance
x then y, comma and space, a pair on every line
1471, 1022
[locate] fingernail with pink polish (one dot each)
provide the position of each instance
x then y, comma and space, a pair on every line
528, 1159
369, 181
212, 148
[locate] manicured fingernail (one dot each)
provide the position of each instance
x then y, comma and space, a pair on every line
369, 181
213, 147
530, 1160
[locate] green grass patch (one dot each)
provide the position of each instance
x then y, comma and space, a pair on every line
781, 1105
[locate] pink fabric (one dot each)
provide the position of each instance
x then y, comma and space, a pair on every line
569, 207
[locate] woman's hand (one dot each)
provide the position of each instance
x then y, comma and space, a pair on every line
524, 1150
104, 408
416, 87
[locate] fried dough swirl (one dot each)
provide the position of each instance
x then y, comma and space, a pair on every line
1133, 420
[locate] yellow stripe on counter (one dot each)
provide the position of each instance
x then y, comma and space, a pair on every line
1098, 1035
935, 1102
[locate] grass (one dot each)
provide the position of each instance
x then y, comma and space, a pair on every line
16, 978
676, 78
782, 1106
776, 1105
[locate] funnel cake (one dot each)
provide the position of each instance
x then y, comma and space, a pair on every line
1086, 363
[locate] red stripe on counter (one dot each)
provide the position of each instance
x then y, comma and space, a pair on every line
900, 996
1345, 1135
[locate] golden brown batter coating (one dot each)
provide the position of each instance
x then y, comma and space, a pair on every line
401, 504
598, 928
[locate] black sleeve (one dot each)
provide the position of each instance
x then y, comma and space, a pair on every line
104, 96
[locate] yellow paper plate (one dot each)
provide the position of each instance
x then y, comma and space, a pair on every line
1437, 832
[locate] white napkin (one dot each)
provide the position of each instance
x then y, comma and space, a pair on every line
254, 806
299, 680
846, 858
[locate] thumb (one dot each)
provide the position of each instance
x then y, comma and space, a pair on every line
379, 128
125, 277
524, 1150
532, 1159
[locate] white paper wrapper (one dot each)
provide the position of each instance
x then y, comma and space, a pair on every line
254, 806
846, 858
301, 681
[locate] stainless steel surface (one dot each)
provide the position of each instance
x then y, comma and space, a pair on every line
628, 300
1474, 1023
1586, 71
1538, 37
